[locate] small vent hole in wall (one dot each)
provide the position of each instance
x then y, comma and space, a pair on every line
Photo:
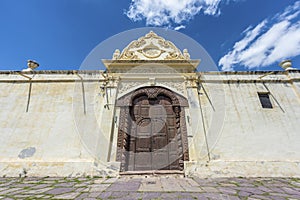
265, 100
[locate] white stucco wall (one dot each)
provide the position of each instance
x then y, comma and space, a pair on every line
54, 137
251, 140
69, 128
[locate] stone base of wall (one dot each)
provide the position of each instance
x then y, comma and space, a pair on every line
215, 169
212, 169
77, 168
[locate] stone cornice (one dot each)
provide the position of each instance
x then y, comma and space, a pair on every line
47, 76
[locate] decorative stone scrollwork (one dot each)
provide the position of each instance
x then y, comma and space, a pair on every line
177, 100
151, 47
186, 54
127, 85
178, 85
116, 54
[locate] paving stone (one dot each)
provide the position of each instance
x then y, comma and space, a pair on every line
245, 184
244, 194
118, 195
199, 196
151, 195
82, 196
7, 184
71, 195
110, 180
228, 197
94, 194
125, 186
213, 196
22, 196
294, 197
210, 189
252, 190
189, 185
279, 194
294, 183
4, 188
9, 191
99, 180
38, 191
135, 195
290, 190
82, 189
169, 196
276, 198
68, 184
276, 189
264, 189
87, 189
185, 195
105, 195
150, 188
57, 191
98, 187
151, 184
39, 186
205, 182
227, 190
260, 197
192, 182
52, 178
81, 185
170, 184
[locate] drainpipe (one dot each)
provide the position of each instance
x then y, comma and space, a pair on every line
267, 74
105, 76
31, 65
83, 91
202, 115
113, 125
29, 89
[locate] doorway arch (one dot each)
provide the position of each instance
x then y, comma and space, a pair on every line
152, 131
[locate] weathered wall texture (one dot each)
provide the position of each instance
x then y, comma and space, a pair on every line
60, 123
46, 129
244, 138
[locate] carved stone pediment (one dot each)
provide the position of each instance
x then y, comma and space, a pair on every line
151, 47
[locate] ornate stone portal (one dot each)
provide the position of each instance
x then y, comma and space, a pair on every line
152, 131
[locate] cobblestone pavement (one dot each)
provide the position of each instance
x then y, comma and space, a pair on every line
162, 187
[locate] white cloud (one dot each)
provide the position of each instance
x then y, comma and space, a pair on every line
269, 42
168, 12
179, 27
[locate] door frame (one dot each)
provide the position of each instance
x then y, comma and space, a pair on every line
124, 129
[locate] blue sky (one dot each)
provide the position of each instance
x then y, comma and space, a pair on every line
237, 34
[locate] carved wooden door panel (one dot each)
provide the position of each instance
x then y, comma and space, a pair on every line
152, 132
154, 146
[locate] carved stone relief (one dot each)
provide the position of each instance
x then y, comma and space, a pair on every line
151, 47
126, 86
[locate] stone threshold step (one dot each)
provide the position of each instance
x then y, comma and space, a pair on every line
153, 172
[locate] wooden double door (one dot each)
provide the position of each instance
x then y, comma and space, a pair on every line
153, 143
152, 132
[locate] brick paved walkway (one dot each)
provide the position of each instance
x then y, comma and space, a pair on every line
149, 188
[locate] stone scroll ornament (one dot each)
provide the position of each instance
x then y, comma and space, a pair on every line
151, 47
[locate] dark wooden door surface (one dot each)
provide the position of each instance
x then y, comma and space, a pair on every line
153, 143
